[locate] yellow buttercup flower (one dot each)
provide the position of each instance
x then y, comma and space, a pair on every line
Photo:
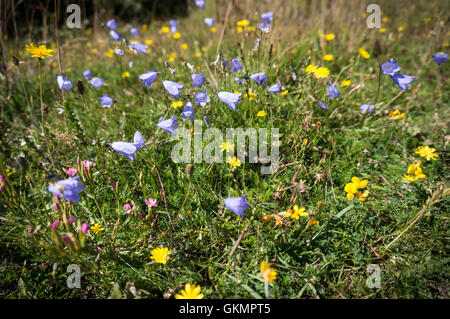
177, 104
110, 53
243, 23
160, 255
382, 30
148, 42
190, 292
165, 29
328, 57
298, 212
126, 74
40, 52
213, 29
346, 83
364, 53
184, 46
176, 35
96, 229
234, 162
250, 29
267, 272
427, 152
239, 29
329, 37
396, 115
321, 73
310, 68
261, 113
227, 146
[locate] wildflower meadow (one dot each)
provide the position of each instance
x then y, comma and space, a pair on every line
232, 149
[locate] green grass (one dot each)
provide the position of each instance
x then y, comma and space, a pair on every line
402, 227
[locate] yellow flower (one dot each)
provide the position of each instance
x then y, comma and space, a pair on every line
352, 189
160, 255
267, 272
177, 104
110, 53
190, 292
165, 29
312, 222
364, 53
409, 178
310, 68
250, 29
329, 37
197, 54
284, 92
445, 45
38, 52
328, 57
298, 212
250, 95
213, 29
96, 228
239, 29
321, 72
415, 169
227, 146
126, 74
261, 113
184, 46
396, 115
144, 27
234, 162
402, 28
243, 23
148, 42
346, 82
385, 19
382, 30
176, 35
427, 152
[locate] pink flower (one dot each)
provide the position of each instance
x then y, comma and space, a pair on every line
127, 207
69, 202
85, 228
71, 219
57, 206
55, 224
57, 198
150, 202
140, 215
65, 238
72, 171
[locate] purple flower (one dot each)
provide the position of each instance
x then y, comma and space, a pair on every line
402, 80
106, 100
230, 99
188, 112
333, 91
64, 83
116, 36
138, 47
55, 224
225, 64
366, 108
87, 74
111, 24
207, 121
149, 78
267, 16
209, 21
97, 82
119, 52
201, 98
72, 171
71, 219
173, 25
150, 202
238, 80
57, 207
128, 149
440, 58
323, 106
65, 238
390, 67
134, 32
85, 228
276, 88
168, 125
173, 88
235, 65
264, 27
198, 80
259, 78
67, 188
200, 4
127, 207
237, 205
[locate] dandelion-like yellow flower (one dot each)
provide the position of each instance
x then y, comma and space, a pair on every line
184, 46
298, 212
329, 37
110, 53
40, 52
227, 146
310, 68
177, 104
160, 255
427, 152
148, 42
396, 115
352, 189
243, 23
176, 35
321, 73
328, 57
250, 29
165, 29
346, 83
96, 228
190, 292
126, 74
250, 95
364, 53
261, 113
234, 162
382, 30
213, 29
267, 272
